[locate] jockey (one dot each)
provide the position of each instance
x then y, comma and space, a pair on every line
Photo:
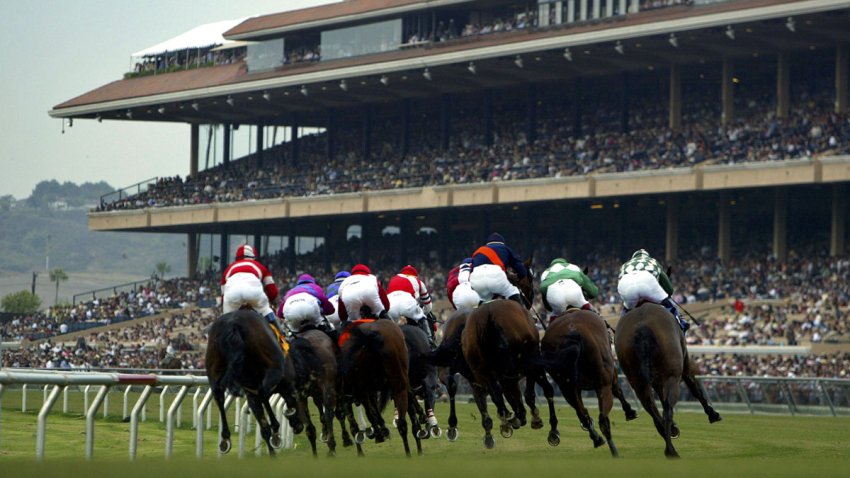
361, 289
564, 285
247, 282
332, 293
489, 270
304, 305
409, 298
642, 278
460, 292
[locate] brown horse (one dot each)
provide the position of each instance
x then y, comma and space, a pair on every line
373, 367
423, 379
449, 355
243, 355
311, 371
501, 345
652, 352
578, 357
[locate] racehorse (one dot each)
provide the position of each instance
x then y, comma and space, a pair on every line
373, 367
423, 378
311, 371
578, 357
652, 352
243, 355
501, 345
449, 354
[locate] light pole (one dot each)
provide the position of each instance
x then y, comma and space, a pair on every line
47, 255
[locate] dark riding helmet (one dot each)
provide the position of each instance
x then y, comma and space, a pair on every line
495, 237
640, 253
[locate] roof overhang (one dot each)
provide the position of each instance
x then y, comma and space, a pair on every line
596, 36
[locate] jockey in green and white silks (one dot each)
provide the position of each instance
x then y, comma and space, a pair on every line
564, 285
643, 278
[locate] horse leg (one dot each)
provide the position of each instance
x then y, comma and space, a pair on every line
606, 402
630, 412
340, 416
370, 407
548, 392
531, 400
644, 394
497, 394
451, 387
697, 391
573, 396
355, 428
480, 397
414, 411
514, 399
224, 444
669, 396
327, 408
304, 411
430, 421
275, 425
255, 403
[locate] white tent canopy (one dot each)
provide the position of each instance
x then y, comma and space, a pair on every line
202, 36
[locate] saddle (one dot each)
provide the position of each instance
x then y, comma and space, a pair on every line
281, 340
346, 332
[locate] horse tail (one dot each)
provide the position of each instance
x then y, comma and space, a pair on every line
447, 351
645, 347
303, 356
231, 346
567, 356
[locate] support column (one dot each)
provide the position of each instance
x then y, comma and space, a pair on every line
224, 251
671, 251
488, 116
258, 244
577, 99
624, 109
445, 121
841, 78
404, 236
726, 92
194, 147
780, 224
260, 145
294, 147
724, 225
191, 254
675, 120
405, 126
839, 207
531, 114
330, 134
329, 238
443, 236
365, 226
783, 82
292, 239
366, 136
226, 152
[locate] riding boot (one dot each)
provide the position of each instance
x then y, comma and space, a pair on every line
675, 311
518, 299
384, 315
423, 324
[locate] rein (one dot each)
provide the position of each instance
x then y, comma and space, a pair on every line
696, 321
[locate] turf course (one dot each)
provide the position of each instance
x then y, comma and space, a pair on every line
740, 445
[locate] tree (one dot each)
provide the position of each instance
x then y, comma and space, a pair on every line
57, 275
162, 268
23, 302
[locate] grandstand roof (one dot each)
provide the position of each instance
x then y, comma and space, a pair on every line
760, 25
202, 36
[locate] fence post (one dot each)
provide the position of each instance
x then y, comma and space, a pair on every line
24, 398
789, 400
65, 400
90, 413
86, 397
126, 399
199, 418
2, 389
134, 419
42, 421
106, 403
243, 415
195, 398
825, 393
169, 427
44, 390
162, 404
743, 393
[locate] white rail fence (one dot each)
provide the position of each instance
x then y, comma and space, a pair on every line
55, 383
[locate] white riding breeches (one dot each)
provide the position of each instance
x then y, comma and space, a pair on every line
464, 297
564, 294
489, 280
359, 292
404, 305
300, 310
334, 318
244, 289
638, 285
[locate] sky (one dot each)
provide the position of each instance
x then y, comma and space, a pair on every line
54, 50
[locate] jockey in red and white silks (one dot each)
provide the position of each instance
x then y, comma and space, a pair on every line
247, 282
459, 290
409, 298
359, 289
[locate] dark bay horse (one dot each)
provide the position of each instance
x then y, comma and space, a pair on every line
423, 378
243, 355
373, 368
311, 371
578, 357
449, 354
501, 345
652, 352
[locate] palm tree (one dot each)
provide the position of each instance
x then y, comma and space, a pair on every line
162, 268
57, 275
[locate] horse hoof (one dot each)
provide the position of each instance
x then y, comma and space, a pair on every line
671, 454
554, 438
331, 454
395, 422
360, 437
631, 415
516, 423
323, 437
346, 441
489, 442
452, 434
275, 441
224, 446
421, 434
370, 432
583, 427
436, 432
714, 417
506, 431
290, 412
674, 432
598, 441
536, 423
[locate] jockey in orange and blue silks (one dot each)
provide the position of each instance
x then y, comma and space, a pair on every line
304, 305
489, 266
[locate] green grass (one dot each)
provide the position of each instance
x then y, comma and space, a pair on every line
740, 445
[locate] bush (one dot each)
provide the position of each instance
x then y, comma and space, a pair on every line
23, 302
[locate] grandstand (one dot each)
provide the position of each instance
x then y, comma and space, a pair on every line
407, 131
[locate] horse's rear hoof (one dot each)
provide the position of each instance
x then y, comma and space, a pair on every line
331, 454
714, 417
452, 434
671, 454
436, 432
359, 437
370, 432
536, 423
422, 434
506, 430
323, 437
224, 446
554, 438
631, 415
489, 442
275, 441
517, 422
675, 432
598, 441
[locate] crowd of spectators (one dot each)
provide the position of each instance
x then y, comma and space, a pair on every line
790, 366
187, 59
